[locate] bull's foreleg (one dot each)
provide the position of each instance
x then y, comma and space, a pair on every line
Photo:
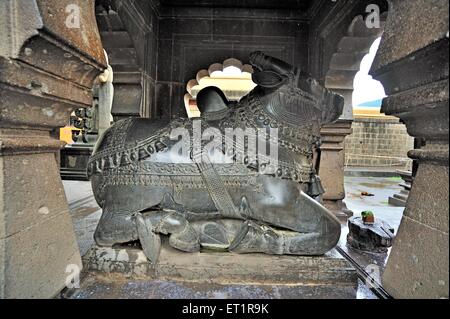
150, 225
115, 227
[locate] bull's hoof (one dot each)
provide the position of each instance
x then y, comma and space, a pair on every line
103, 240
255, 238
187, 240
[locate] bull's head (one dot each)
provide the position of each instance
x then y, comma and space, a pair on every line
292, 95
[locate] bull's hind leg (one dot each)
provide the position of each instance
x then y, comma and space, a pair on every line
321, 233
118, 224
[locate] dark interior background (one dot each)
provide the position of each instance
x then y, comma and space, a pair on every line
174, 39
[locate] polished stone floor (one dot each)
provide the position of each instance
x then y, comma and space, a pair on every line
86, 213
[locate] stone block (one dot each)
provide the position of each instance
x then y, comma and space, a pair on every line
375, 238
34, 256
430, 177
218, 268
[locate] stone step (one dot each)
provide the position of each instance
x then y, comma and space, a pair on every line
396, 202
356, 44
340, 79
116, 39
360, 29
125, 68
406, 186
122, 56
109, 22
405, 192
220, 268
346, 61
404, 173
401, 197
370, 32
127, 77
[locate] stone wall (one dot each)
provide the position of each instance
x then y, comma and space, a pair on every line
191, 40
329, 24
378, 143
129, 36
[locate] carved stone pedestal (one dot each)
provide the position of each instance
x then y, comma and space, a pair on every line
42, 79
332, 164
219, 268
412, 64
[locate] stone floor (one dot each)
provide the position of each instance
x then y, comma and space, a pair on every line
86, 213
382, 188
116, 286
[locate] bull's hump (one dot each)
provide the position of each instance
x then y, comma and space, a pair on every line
141, 129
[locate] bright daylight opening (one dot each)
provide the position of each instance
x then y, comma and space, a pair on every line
368, 93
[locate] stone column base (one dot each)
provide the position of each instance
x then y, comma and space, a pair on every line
339, 209
37, 241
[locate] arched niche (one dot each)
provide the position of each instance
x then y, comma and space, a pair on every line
346, 61
344, 64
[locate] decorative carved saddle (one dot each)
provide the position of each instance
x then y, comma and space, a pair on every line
151, 183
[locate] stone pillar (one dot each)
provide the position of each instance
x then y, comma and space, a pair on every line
412, 64
332, 158
332, 164
50, 54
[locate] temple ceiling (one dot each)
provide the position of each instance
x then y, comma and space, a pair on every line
259, 4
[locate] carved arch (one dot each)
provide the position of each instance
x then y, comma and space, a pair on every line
345, 62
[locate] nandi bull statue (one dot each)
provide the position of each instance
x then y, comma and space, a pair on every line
152, 183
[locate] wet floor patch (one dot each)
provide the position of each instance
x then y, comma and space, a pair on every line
99, 286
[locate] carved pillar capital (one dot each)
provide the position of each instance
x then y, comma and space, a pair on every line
412, 64
334, 134
47, 63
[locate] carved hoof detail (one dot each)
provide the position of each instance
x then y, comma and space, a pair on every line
255, 238
150, 225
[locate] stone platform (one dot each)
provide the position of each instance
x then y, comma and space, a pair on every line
223, 268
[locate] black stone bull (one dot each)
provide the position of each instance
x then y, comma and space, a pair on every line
222, 198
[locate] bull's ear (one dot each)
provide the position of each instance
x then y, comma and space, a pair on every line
269, 79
